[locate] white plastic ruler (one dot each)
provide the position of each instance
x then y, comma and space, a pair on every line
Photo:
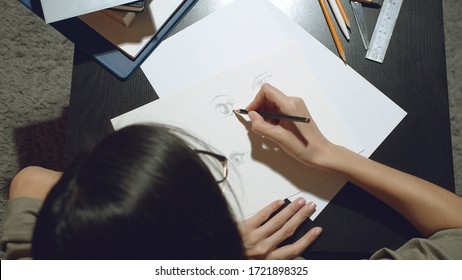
383, 30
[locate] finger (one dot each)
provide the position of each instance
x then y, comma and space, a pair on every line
259, 218
269, 96
261, 240
297, 248
292, 224
277, 222
266, 96
260, 126
276, 133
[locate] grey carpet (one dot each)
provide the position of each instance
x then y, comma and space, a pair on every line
452, 11
35, 77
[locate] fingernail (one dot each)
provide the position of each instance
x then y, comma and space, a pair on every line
318, 230
301, 200
311, 205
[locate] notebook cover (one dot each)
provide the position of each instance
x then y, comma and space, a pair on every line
103, 51
137, 6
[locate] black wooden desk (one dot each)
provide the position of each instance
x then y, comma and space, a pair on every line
413, 75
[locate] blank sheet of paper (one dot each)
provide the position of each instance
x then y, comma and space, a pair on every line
54, 10
260, 171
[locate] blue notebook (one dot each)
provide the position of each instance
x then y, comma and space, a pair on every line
103, 51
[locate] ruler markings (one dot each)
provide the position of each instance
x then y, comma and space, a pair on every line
383, 30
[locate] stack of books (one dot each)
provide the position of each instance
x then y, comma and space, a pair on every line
115, 19
58, 10
118, 34
125, 14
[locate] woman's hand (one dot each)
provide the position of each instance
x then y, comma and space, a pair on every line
261, 235
303, 141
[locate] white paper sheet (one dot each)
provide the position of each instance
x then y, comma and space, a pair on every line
267, 173
246, 28
132, 40
54, 10
236, 33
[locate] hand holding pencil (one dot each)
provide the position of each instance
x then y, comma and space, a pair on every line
303, 141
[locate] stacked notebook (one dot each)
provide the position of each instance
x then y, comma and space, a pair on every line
56, 10
118, 34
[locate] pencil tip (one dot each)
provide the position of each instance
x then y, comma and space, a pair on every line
240, 111
343, 57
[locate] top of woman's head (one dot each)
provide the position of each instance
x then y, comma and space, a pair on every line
141, 193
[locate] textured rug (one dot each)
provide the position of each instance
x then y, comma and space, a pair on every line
35, 77
452, 11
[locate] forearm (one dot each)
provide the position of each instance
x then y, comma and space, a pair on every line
33, 182
428, 207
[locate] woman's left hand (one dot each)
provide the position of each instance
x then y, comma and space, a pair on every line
262, 235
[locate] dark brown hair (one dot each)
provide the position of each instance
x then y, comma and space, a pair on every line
141, 193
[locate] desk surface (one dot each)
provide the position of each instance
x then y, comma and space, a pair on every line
413, 75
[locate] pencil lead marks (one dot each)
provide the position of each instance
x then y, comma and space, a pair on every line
223, 104
238, 158
261, 79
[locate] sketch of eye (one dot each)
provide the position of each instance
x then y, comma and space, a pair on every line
237, 158
261, 79
223, 104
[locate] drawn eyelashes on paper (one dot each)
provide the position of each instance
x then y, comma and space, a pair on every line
223, 104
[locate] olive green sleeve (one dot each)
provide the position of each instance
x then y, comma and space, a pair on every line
18, 227
445, 244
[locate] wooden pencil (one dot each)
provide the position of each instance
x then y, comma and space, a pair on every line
344, 14
332, 29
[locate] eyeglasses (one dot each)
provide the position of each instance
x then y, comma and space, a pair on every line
217, 164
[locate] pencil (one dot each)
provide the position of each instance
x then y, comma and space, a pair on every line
372, 3
275, 116
339, 17
344, 14
332, 29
